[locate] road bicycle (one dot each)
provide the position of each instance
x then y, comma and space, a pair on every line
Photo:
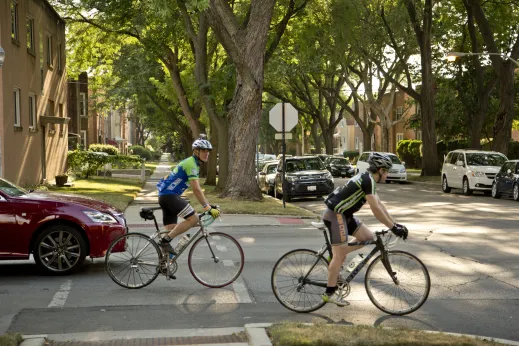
396, 282
135, 260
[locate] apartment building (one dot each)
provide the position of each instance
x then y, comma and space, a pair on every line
33, 87
78, 112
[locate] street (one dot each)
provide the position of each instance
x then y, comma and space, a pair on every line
468, 244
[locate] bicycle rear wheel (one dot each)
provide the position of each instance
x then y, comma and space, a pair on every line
133, 260
216, 260
289, 286
410, 291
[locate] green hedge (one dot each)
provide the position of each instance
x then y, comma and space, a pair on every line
141, 151
104, 148
410, 151
87, 163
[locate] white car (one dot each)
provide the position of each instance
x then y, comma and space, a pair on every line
267, 176
471, 170
396, 173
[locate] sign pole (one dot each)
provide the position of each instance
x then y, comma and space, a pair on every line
284, 149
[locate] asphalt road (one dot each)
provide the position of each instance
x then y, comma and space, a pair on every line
469, 244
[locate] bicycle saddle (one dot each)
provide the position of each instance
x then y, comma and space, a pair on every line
319, 225
147, 213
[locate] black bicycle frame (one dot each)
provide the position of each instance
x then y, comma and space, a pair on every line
379, 246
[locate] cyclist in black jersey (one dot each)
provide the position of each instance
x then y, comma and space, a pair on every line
340, 221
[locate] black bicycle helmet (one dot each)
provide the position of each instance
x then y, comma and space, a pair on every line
379, 160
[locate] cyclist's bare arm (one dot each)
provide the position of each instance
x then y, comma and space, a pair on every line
385, 210
379, 211
197, 190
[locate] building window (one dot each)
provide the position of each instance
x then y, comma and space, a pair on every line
419, 135
49, 50
14, 20
50, 108
30, 35
357, 143
82, 105
399, 137
60, 54
399, 112
84, 139
17, 120
32, 111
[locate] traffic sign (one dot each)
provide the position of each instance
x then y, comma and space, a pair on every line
276, 117
288, 135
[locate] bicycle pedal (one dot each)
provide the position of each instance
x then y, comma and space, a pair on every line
172, 277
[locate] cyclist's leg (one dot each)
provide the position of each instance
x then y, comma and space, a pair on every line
169, 212
187, 212
336, 225
362, 233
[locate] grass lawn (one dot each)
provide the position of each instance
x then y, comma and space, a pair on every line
151, 165
115, 191
296, 334
267, 206
11, 339
419, 178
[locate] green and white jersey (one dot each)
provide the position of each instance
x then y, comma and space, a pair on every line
352, 196
177, 182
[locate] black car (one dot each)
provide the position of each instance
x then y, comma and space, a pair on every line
339, 166
506, 182
304, 176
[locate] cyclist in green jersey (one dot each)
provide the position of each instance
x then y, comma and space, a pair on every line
340, 221
171, 187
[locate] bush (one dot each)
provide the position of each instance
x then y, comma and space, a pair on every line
141, 151
87, 163
410, 151
104, 148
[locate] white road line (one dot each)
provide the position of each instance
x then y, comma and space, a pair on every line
60, 298
241, 291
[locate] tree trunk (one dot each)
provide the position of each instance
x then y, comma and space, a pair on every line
505, 115
223, 161
328, 140
316, 137
244, 121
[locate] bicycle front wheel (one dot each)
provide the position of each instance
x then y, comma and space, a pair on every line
299, 280
133, 260
410, 290
216, 260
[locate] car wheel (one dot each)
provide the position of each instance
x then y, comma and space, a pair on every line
466, 187
495, 193
60, 249
445, 186
343, 176
288, 198
388, 181
516, 192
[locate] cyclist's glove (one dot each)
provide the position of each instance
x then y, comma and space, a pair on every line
400, 231
213, 210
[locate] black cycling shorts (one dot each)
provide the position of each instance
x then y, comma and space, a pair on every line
174, 206
340, 226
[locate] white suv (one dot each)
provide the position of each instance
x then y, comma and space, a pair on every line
396, 173
471, 170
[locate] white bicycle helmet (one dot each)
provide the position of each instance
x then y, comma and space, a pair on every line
202, 143
378, 160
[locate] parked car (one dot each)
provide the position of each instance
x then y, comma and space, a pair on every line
396, 173
304, 176
506, 182
471, 170
339, 166
323, 157
267, 176
59, 230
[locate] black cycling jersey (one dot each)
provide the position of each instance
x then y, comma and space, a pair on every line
352, 196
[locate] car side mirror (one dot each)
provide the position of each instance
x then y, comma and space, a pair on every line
460, 163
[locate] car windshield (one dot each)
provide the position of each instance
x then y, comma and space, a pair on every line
338, 161
482, 159
395, 159
11, 190
271, 169
304, 165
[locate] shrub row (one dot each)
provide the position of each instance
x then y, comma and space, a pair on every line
104, 148
86, 163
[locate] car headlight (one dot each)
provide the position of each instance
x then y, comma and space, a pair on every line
478, 174
291, 178
97, 216
402, 170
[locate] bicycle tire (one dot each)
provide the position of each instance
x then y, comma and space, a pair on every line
124, 262
287, 275
410, 293
229, 260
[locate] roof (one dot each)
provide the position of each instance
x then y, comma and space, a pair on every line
476, 151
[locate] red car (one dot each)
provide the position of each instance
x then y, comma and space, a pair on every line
59, 230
